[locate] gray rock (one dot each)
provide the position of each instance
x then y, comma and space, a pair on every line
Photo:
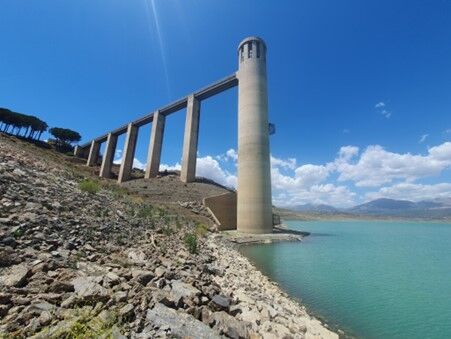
19, 172
111, 279
87, 289
45, 318
120, 296
181, 290
15, 276
181, 325
61, 286
39, 307
9, 241
143, 277
159, 272
220, 303
228, 325
213, 269
137, 256
127, 312
4, 310
69, 302
116, 333
235, 310
5, 298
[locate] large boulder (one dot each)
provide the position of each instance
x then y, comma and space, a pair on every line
228, 325
142, 276
220, 303
88, 290
182, 292
15, 276
180, 325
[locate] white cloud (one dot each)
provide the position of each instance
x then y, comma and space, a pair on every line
164, 167
304, 177
347, 152
381, 107
423, 138
138, 164
386, 113
413, 192
232, 154
289, 163
324, 183
330, 194
376, 166
209, 167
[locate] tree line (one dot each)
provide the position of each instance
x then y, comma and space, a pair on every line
24, 125
31, 127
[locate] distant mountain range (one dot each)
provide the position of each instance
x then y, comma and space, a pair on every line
437, 208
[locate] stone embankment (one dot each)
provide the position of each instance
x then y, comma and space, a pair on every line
109, 264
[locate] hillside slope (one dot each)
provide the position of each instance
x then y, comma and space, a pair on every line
111, 264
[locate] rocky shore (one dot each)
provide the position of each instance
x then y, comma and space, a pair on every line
100, 262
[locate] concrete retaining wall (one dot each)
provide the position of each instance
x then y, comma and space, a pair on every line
223, 209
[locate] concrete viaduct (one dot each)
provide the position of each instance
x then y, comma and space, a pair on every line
254, 207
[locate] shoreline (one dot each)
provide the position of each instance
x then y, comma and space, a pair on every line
265, 304
286, 214
364, 218
334, 328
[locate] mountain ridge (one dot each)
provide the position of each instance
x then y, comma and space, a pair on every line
434, 208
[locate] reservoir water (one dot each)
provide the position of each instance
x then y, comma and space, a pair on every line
371, 279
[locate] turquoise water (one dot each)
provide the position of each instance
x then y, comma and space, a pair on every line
371, 279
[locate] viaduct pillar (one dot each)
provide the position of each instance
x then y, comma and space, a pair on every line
156, 143
128, 154
254, 206
94, 151
78, 151
188, 172
108, 157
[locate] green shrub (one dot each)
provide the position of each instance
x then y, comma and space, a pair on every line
90, 186
191, 242
201, 230
18, 233
145, 211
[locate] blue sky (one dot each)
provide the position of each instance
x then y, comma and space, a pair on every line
359, 90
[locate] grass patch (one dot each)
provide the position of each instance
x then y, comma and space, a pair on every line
201, 230
145, 211
191, 242
89, 185
83, 326
119, 192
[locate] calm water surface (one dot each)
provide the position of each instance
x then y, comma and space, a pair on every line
371, 279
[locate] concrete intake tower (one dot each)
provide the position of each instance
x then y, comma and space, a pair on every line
254, 206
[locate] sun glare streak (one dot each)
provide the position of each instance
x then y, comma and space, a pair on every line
152, 10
